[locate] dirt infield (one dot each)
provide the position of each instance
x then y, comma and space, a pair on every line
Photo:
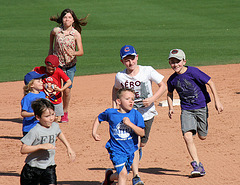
165, 158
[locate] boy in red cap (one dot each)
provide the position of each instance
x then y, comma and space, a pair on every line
52, 84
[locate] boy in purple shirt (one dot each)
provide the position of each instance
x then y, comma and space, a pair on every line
190, 84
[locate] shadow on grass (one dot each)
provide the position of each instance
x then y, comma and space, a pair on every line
15, 120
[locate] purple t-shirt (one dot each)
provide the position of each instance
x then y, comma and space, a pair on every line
191, 87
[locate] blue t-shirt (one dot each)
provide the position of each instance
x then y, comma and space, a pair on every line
191, 87
122, 138
29, 122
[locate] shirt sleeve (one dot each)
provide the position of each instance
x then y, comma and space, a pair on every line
140, 121
63, 75
155, 76
200, 76
25, 103
103, 116
117, 84
169, 86
29, 138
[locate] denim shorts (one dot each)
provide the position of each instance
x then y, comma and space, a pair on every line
195, 121
70, 72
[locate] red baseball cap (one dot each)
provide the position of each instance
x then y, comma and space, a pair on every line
52, 60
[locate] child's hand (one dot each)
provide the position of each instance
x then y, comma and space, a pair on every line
127, 121
219, 107
147, 102
170, 113
96, 137
47, 146
71, 154
57, 89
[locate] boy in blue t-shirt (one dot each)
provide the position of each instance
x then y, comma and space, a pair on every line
190, 84
125, 125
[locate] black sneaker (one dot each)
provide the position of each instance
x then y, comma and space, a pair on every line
107, 181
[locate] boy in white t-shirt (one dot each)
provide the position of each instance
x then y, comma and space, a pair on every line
139, 78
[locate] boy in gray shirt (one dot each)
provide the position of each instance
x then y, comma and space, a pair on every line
39, 144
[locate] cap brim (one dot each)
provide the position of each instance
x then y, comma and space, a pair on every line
134, 54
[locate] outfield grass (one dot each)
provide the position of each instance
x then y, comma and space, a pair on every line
207, 30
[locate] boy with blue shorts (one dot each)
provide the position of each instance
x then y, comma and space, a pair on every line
140, 79
190, 84
125, 125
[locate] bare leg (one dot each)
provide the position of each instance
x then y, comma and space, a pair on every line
66, 99
188, 138
135, 163
122, 179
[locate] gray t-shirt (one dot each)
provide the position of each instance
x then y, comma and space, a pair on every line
40, 135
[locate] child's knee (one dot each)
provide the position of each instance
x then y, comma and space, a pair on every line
202, 137
123, 174
142, 144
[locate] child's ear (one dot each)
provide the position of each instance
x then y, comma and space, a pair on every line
37, 117
118, 101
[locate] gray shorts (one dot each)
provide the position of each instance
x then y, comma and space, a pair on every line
148, 125
59, 109
195, 121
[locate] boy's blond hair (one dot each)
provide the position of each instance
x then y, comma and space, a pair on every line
120, 91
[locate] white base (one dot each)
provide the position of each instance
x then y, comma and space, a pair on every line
165, 104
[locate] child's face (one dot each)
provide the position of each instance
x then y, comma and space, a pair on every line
126, 100
47, 118
130, 62
177, 65
37, 84
68, 20
50, 69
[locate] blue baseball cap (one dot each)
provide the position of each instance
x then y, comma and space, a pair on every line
127, 50
32, 75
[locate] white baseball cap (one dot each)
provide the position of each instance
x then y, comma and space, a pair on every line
177, 53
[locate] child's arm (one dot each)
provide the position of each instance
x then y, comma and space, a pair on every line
27, 114
162, 88
114, 97
26, 149
70, 152
138, 130
218, 104
66, 85
170, 104
94, 130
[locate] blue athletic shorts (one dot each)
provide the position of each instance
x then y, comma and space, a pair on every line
120, 160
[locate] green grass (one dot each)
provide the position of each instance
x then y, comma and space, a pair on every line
207, 30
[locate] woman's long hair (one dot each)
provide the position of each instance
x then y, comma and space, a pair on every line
77, 22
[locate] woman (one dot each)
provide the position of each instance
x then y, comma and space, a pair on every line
67, 43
